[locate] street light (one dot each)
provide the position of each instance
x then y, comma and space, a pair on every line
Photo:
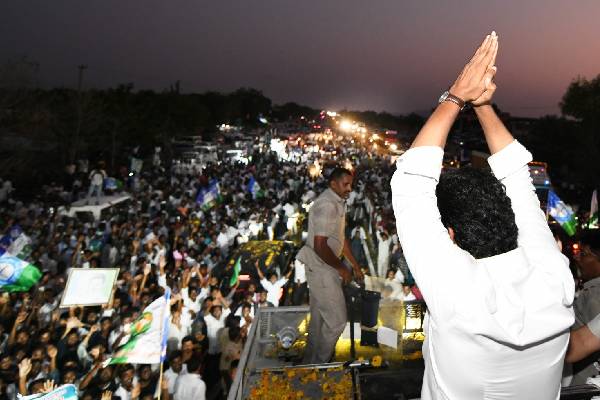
345, 125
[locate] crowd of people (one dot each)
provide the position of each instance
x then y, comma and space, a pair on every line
166, 238
163, 238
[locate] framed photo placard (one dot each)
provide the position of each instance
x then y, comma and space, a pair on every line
89, 287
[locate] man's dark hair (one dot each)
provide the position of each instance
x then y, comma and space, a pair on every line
234, 332
338, 173
474, 204
194, 364
188, 338
174, 355
125, 368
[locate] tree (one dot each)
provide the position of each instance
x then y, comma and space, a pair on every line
581, 102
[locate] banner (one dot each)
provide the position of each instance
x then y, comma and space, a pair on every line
146, 342
21, 246
16, 242
64, 392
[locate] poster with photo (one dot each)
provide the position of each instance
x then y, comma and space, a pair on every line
89, 287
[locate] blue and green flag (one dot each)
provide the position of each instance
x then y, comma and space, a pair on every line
208, 197
254, 189
17, 275
562, 213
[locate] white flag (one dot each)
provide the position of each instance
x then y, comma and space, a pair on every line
147, 339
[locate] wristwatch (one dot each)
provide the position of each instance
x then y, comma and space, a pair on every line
447, 96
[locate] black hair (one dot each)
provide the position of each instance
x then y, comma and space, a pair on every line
234, 332
174, 355
232, 320
188, 338
35, 382
338, 173
194, 364
474, 204
214, 307
125, 368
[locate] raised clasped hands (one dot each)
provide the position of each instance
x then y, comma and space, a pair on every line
475, 84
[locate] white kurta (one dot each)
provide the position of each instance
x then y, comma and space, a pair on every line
505, 335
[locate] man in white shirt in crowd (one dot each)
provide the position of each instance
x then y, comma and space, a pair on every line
176, 368
190, 386
214, 322
383, 253
273, 285
129, 388
223, 240
407, 294
192, 297
510, 326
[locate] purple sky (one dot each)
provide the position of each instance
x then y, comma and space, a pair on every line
391, 55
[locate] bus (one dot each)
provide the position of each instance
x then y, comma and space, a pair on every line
541, 181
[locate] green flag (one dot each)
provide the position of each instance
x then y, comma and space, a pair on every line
236, 272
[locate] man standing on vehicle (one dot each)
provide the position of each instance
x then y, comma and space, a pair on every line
325, 271
97, 177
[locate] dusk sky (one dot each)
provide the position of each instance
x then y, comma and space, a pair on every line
391, 55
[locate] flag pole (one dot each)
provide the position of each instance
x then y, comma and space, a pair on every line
160, 378
163, 339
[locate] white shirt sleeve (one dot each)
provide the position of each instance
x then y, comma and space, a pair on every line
281, 282
510, 166
202, 295
399, 277
185, 295
265, 283
162, 281
419, 224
